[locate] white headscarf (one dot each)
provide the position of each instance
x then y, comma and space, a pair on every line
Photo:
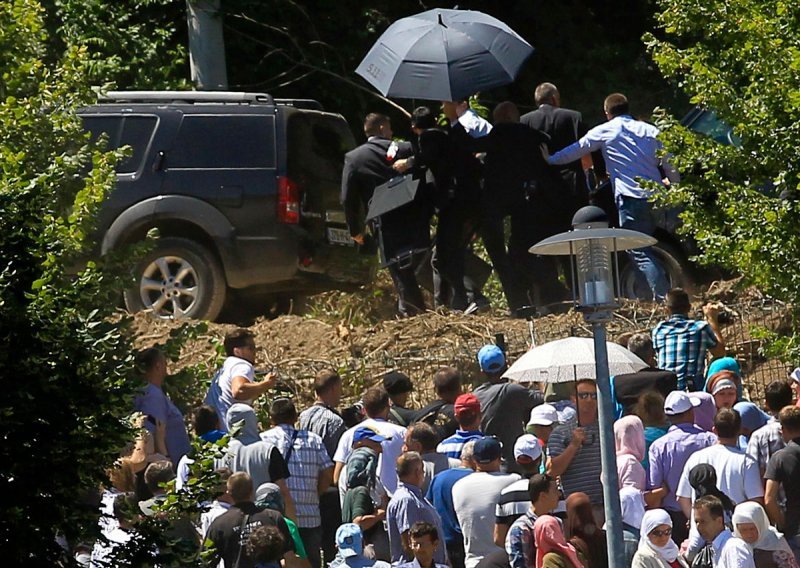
768, 537
632, 504
652, 519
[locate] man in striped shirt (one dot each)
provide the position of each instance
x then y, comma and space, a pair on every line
310, 468
681, 343
468, 415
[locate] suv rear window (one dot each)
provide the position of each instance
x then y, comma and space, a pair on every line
134, 131
224, 142
317, 144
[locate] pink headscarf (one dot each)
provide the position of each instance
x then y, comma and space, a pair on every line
629, 436
549, 537
704, 414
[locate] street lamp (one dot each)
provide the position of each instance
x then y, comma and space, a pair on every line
595, 288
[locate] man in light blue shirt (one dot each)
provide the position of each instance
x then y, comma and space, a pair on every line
630, 148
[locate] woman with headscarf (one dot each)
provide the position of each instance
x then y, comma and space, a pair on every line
656, 548
770, 549
552, 549
703, 479
725, 364
629, 437
704, 413
632, 507
583, 532
724, 387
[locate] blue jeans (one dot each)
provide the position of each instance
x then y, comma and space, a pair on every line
636, 215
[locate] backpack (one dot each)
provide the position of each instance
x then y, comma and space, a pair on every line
362, 467
704, 558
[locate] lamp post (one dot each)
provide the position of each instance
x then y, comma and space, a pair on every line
595, 282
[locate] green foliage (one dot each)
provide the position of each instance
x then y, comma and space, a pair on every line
741, 59
137, 44
66, 362
188, 387
157, 540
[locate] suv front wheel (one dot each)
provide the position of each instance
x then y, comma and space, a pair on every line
178, 279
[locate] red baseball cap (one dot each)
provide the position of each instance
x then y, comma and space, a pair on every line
467, 402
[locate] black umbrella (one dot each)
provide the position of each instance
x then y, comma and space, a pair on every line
444, 55
395, 193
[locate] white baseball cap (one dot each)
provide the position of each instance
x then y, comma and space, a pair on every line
543, 415
527, 445
678, 402
795, 375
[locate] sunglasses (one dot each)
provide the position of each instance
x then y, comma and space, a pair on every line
587, 395
658, 534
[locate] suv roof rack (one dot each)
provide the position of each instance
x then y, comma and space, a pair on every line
188, 97
308, 104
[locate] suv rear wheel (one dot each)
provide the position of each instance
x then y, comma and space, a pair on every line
178, 279
671, 262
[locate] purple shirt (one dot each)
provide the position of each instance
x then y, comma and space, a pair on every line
668, 455
152, 401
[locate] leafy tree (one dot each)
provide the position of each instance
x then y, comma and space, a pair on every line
137, 44
742, 60
65, 359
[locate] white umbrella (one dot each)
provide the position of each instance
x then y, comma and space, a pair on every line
570, 359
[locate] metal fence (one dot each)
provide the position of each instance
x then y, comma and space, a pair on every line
422, 361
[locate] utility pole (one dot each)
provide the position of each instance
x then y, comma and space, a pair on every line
206, 45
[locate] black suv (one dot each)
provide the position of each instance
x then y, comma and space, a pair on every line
244, 192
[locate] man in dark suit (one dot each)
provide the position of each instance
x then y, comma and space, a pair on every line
513, 175
402, 231
556, 207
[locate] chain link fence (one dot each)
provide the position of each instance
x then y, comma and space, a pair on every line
421, 361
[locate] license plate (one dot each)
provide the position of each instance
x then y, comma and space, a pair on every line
340, 237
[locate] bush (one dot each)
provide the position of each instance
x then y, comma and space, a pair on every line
66, 364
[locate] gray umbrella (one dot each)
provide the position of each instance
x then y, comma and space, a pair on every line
444, 55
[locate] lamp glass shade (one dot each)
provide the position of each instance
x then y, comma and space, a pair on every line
594, 271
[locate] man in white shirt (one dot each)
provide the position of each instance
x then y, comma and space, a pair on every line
729, 551
630, 149
737, 474
376, 407
475, 498
235, 380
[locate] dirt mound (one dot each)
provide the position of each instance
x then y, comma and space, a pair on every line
350, 337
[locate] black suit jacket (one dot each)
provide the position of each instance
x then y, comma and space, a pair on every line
365, 168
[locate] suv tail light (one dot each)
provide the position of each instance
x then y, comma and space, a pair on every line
288, 201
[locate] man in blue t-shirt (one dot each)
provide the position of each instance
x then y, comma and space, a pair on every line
440, 494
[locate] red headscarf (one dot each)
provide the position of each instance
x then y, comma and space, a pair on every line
549, 537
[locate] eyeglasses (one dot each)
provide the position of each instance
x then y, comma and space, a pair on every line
658, 534
587, 395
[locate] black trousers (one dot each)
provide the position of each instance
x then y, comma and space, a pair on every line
452, 235
492, 232
331, 513
410, 301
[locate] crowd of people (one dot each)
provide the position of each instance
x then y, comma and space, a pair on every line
473, 175
500, 476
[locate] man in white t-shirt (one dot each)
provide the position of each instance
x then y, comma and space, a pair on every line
475, 498
376, 407
235, 380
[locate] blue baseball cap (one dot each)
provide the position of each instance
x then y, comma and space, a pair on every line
491, 358
349, 540
487, 450
365, 433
